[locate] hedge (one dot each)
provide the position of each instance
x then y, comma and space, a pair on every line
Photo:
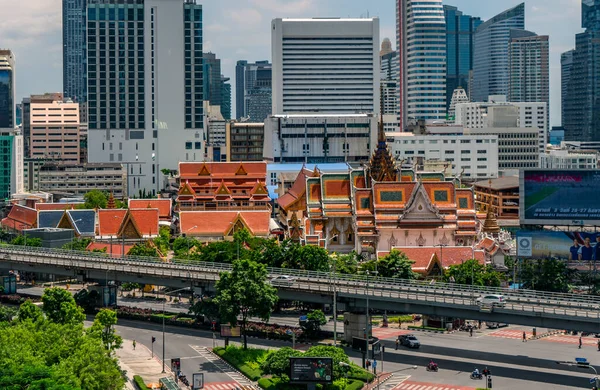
139, 382
278, 384
355, 385
251, 373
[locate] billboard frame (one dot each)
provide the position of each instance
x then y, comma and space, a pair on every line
305, 358
550, 222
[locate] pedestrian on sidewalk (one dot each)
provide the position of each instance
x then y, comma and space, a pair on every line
579, 342
134, 344
524, 337
470, 332
398, 342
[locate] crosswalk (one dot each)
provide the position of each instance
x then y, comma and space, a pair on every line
221, 386
411, 385
239, 379
566, 339
510, 334
393, 382
389, 333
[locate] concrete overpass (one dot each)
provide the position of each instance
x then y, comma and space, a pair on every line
524, 307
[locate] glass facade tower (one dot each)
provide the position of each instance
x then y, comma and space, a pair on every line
74, 50
7, 89
490, 57
459, 49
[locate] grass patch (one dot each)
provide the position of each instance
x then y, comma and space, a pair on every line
247, 361
394, 319
427, 328
139, 382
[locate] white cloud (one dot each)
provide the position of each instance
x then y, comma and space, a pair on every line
24, 24
286, 7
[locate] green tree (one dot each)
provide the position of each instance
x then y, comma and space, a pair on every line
346, 263
78, 244
312, 326
205, 307
7, 314
145, 250
473, 272
104, 325
183, 246
306, 257
30, 241
244, 292
95, 199
337, 354
87, 300
546, 275
60, 307
29, 311
396, 265
278, 362
163, 241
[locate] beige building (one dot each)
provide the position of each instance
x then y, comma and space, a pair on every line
55, 130
75, 180
245, 141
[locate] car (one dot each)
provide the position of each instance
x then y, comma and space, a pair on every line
491, 300
410, 341
283, 280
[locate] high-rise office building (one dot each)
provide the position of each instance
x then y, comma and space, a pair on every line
390, 91
7, 89
145, 98
74, 49
11, 169
214, 84
421, 30
226, 100
528, 67
490, 53
325, 65
46, 98
566, 63
386, 47
581, 105
459, 49
254, 90
390, 66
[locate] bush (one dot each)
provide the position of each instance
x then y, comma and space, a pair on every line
355, 385
278, 362
247, 361
139, 382
267, 383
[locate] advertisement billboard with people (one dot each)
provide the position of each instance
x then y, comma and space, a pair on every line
311, 370
559, 197
568, 246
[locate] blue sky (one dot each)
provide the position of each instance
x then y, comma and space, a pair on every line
240, 29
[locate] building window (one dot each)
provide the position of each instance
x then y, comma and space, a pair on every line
188, 146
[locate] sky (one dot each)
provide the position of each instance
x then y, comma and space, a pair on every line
240, 29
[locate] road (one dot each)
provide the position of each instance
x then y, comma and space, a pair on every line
514, 364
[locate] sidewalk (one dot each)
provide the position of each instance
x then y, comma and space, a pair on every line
139, 362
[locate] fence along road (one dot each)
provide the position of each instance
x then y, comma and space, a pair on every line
525, 302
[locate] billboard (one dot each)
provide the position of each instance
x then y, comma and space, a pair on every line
311, 370
572, 246
230, 331
559, 197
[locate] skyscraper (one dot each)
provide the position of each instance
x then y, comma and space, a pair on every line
226, 100
581, 105
490, 55
459, 49
74, 49
566, 63
7, 89
254, 89
528, 67
421, 45
145, 98
331, 65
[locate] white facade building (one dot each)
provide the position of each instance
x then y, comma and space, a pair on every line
477, 155
569, 159
325, 65
517, 147
149, 115
320, 138
497, 113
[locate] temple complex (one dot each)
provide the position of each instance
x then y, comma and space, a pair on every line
380, 206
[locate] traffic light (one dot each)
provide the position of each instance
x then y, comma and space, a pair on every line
153, 339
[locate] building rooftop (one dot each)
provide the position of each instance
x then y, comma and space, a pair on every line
502, 183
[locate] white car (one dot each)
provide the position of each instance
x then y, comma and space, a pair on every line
491, 300
283, 280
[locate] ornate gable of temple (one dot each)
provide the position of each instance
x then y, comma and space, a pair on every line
382, 166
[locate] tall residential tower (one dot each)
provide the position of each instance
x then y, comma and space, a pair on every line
145, 90
74, 49
7, 89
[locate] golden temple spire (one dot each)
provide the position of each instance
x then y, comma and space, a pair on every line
491, 224
111, 204
382, 166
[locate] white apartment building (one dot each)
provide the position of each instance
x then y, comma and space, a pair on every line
145, 100
325, 65
517, 147
320, 138
75, 180
497, 113
569, 159
476, 156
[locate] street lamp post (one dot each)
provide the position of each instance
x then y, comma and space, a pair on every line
367, 317
334, 287
583, 363
163, 327
442, 259
187, 241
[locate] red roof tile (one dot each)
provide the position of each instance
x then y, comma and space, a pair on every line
146, 221
115, 250
218, 223
450, 255
56, 206
163, 206
109, 221
222, 169
20, 218
296, 191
